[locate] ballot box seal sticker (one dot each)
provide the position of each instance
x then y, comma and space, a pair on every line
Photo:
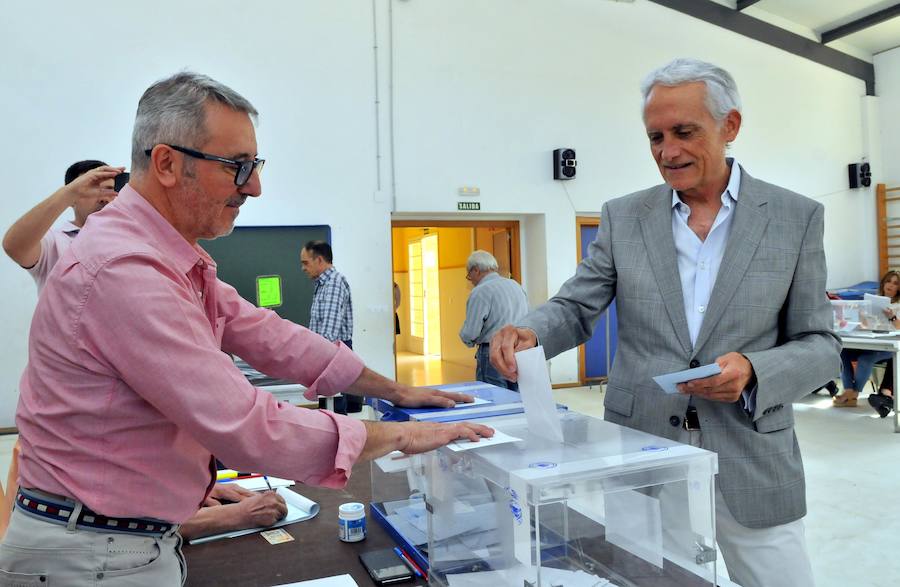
514, 508
542, 465
654, 448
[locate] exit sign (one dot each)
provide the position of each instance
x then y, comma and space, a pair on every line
468, 205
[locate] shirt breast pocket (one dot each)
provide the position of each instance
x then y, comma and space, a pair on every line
220, 330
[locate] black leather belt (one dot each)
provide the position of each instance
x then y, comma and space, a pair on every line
691, 419
58, 511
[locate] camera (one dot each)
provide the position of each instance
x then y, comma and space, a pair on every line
120, 180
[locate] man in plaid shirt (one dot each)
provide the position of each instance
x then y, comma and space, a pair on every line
331, 314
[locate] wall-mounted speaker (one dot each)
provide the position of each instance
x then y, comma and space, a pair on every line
860, 175
564, 163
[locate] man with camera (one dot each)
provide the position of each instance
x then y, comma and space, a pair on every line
30, 242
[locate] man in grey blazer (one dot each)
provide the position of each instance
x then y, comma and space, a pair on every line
712, 266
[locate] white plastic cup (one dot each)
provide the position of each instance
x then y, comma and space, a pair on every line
352, 522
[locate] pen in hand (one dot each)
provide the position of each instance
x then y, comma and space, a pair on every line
269, 485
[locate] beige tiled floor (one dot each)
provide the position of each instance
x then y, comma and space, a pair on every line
418, 370
852, 461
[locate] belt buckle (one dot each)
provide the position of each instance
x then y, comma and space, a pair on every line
691, 419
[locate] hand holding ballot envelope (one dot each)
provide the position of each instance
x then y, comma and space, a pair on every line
734, 376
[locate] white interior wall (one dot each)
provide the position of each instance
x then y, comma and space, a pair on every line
887, 87
482, 92
73, 77
486, 90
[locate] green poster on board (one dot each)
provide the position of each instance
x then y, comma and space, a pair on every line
268, 291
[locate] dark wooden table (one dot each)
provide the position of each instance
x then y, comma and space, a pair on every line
315, 552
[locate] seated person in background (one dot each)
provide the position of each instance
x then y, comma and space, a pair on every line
854, 381
242, 509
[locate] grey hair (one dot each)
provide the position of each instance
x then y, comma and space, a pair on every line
721, 90
172, 111
483, 261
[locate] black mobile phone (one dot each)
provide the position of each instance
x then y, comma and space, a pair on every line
385, 566
120, 180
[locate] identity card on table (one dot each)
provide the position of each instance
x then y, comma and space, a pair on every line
669, 382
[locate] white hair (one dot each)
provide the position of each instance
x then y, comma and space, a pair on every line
721, 90
483, 261
172, 111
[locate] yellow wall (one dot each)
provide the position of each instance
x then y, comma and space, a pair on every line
454, 293
454, 247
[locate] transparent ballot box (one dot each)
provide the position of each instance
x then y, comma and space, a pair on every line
607, 506
399, 482
850, 315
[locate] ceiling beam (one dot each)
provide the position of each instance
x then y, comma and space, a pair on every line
861, 23
742, 4
759, 30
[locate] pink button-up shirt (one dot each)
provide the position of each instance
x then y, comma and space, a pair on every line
53, 244
128, 392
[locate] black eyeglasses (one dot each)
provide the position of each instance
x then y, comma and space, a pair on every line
243, 169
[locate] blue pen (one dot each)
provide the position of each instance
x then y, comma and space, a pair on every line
267, 482
406, 561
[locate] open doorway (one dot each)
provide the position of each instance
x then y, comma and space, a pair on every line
429, 264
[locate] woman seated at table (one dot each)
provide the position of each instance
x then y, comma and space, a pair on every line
854, 380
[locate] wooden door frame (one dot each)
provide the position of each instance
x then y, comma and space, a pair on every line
581, 222
515, 261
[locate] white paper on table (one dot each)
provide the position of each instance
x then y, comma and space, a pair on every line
465, 387
477, 402
534, 386
669, 382
336, 581
497, 438
259, 483
871, 334
299, 509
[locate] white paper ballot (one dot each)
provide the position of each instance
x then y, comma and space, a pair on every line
336, 581
259, 483
534, 386
670, 381
497, 438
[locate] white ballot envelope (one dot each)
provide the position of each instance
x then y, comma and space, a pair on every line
534, 386
669, 382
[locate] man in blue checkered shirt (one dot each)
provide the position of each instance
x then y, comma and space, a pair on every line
331, 314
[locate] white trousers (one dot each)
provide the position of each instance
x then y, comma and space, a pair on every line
759, 557
39, 553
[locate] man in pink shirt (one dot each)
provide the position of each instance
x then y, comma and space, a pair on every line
31, 242
128, 393
88, 187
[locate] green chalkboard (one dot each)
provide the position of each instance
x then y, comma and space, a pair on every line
253, 251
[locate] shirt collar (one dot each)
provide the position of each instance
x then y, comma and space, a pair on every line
69, 227
489, 277
170, 242
325, 275
731, 190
